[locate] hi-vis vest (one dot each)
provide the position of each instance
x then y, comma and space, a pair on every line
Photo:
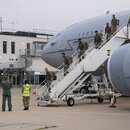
26, 92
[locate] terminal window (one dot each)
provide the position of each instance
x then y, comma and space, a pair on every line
12, 47
4, 46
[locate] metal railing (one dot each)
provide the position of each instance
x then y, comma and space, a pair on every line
25, 52
106, 40
76, 59
72, 66
60, 74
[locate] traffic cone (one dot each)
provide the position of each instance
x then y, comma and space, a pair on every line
34, 90
112, 102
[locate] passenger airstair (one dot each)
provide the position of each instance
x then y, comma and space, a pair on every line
63, 87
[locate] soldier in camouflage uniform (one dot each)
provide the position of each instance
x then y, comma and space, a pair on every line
82, 48
97, 39
108, 31
66, 63
114, 24
49, 78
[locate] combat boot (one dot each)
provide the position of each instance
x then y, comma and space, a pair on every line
25, 108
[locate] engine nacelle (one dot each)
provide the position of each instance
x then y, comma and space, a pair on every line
119, 69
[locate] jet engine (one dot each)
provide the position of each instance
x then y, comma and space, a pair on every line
119, 69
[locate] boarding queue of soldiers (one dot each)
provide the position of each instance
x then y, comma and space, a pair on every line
82, 46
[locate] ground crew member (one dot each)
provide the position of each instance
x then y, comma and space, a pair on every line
48, 78
6, 85
26, 95
97, 39
82, 47
108, 31
66, 63
114, 24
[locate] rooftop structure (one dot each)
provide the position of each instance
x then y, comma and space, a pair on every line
20, 56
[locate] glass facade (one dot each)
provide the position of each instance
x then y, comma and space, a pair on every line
4, 46
12, 47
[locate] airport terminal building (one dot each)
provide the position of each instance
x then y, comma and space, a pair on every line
20, 56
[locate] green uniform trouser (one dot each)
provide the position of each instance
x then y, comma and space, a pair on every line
97, 45
114, 29
108, 35
80, 54
26, 101
65, 69
8, 96
48, 83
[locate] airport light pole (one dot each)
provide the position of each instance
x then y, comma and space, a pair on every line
13, 23
1, 24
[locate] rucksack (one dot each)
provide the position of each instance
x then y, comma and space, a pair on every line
70, 59
54, 76
86, 45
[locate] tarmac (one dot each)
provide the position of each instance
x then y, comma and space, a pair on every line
84, 115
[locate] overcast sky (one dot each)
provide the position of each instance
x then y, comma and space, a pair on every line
54, 14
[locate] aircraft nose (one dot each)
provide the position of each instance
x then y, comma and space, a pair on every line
45, 54
50, 56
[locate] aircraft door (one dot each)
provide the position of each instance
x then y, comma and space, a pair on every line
62, 43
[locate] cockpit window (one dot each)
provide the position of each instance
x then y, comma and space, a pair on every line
53, 43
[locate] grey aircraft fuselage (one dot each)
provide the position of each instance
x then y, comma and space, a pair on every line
66, 40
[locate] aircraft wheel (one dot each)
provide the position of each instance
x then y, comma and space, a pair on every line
70, 102
100, 100
83, 91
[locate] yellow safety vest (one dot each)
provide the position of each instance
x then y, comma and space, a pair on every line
26, 92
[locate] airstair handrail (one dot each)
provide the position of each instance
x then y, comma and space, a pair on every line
72, 66
61, 66
106, 40
44, 81
91, 47
75, 62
